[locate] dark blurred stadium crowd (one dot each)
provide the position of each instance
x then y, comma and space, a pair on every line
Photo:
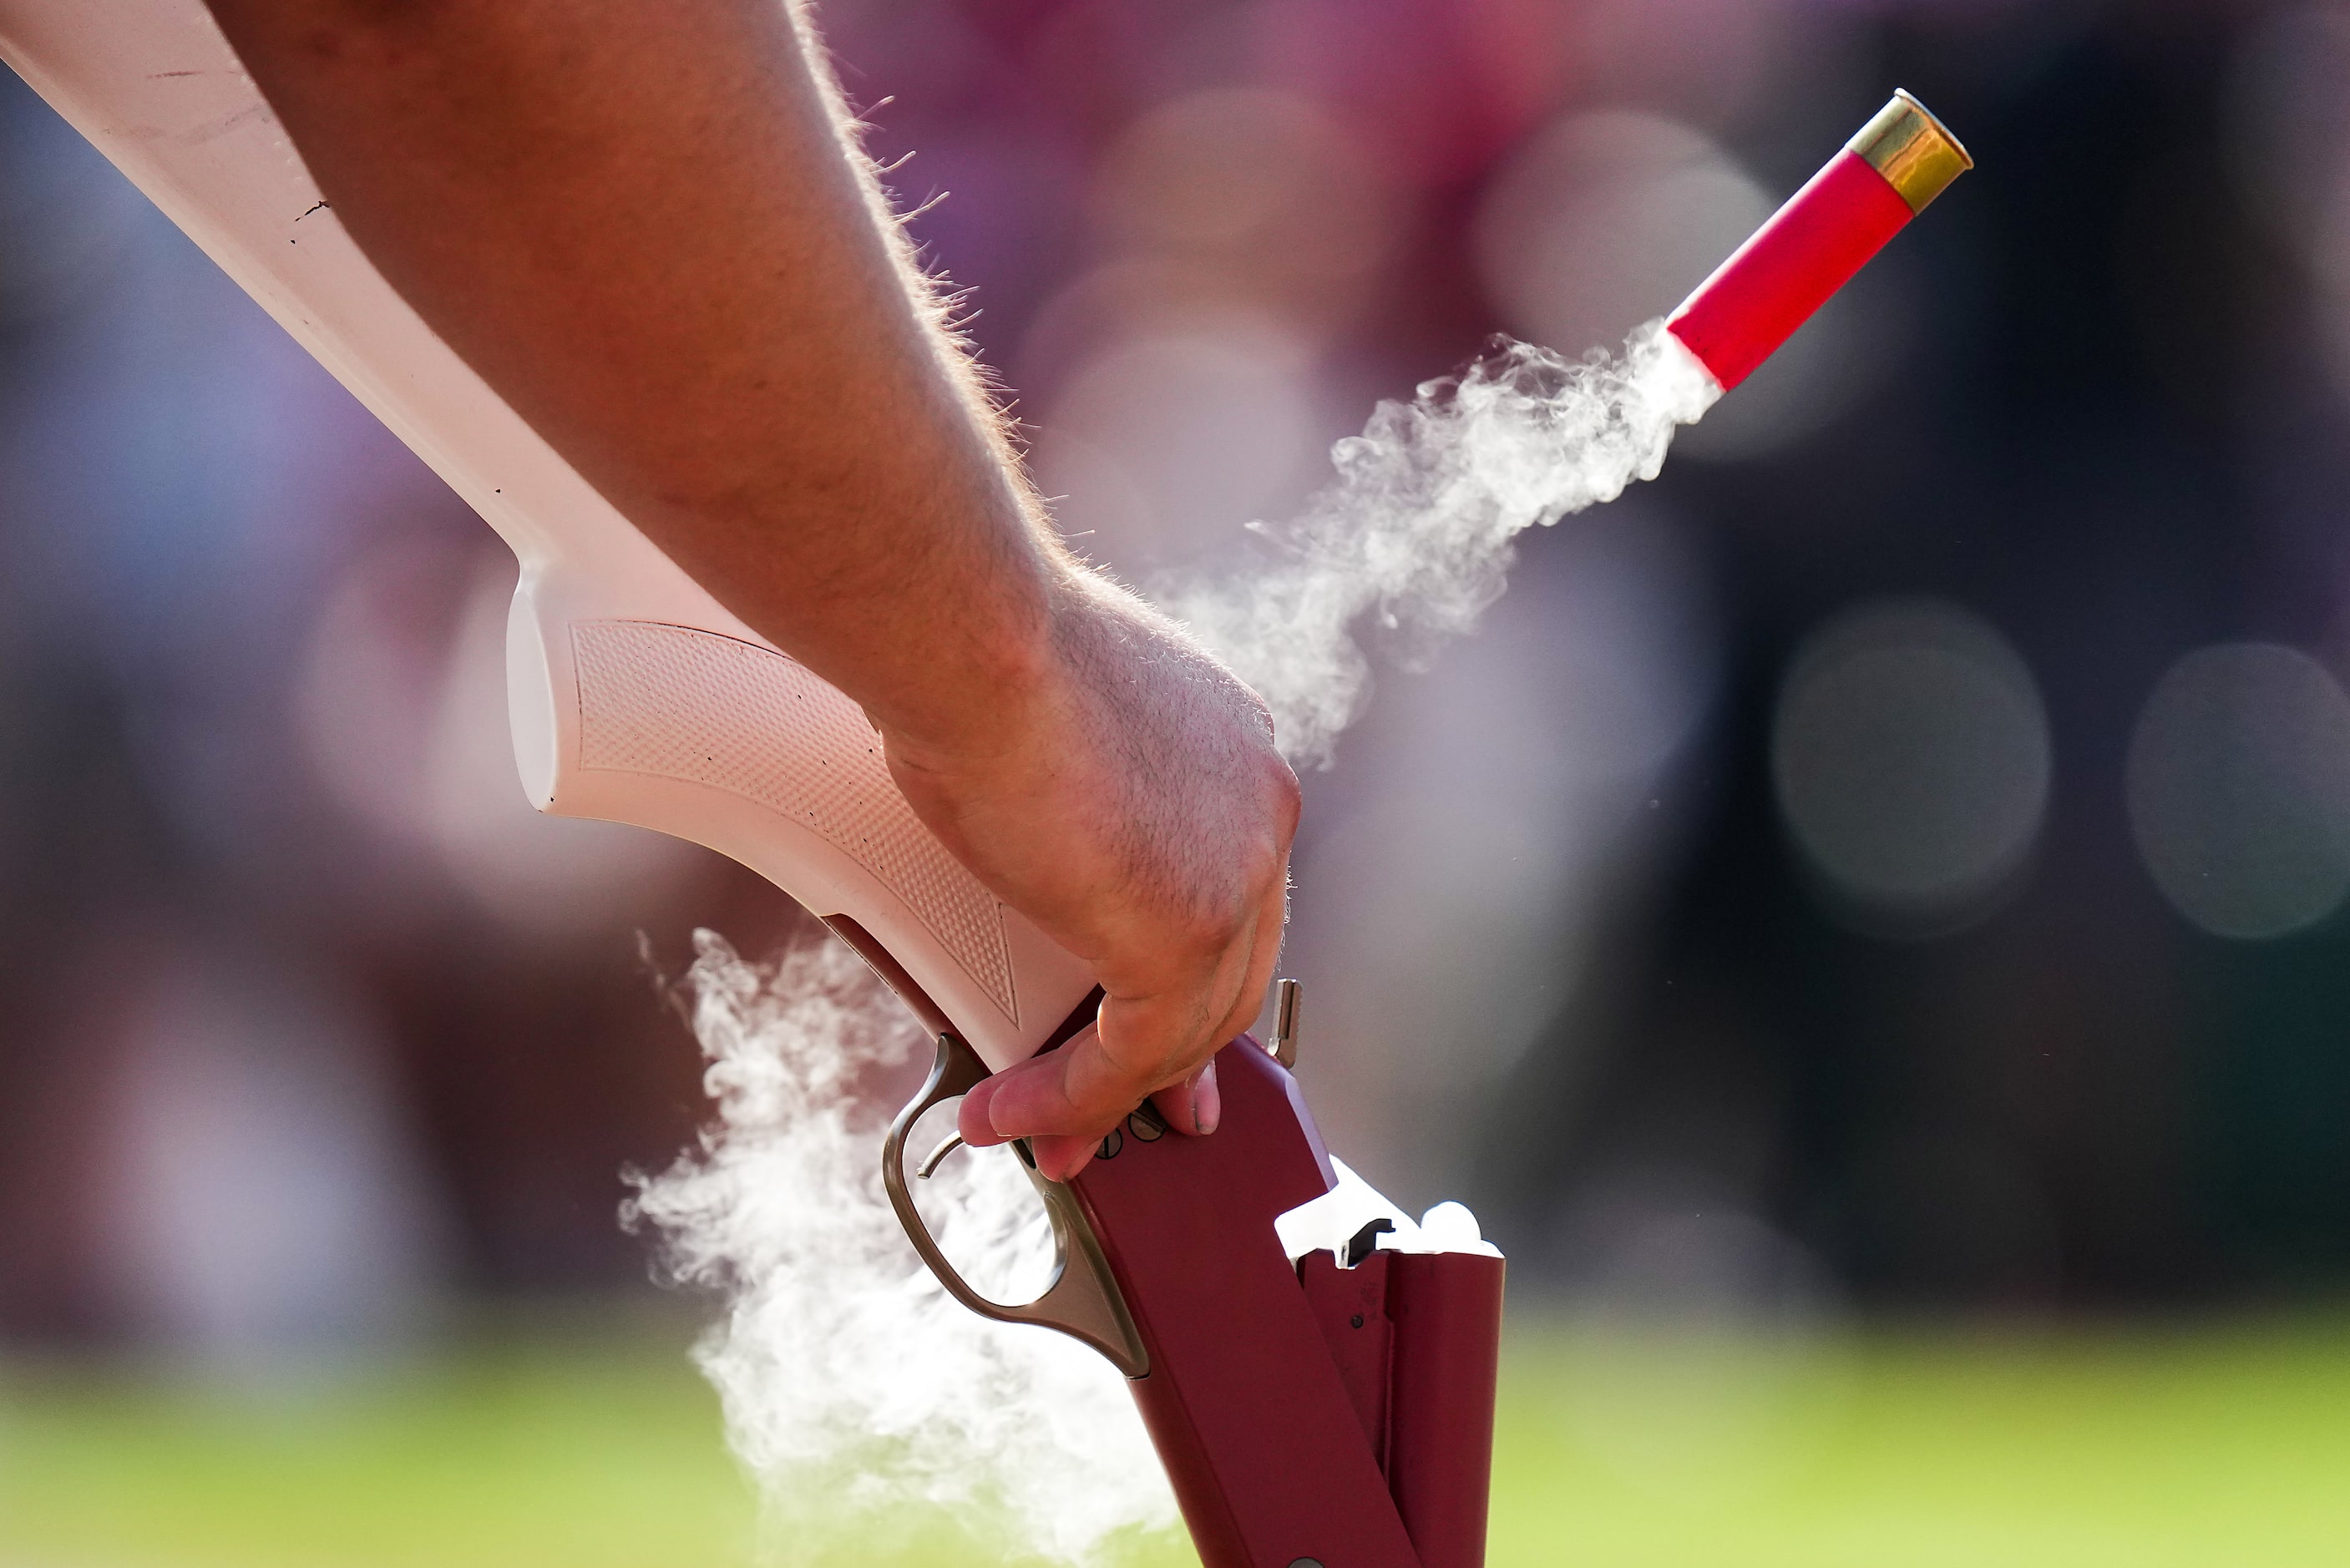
1895, 859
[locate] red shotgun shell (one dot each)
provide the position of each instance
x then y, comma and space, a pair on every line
1754, 301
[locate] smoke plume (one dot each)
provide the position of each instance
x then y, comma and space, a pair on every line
1412, 540
852, 1384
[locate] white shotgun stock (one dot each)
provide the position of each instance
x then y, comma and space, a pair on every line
634, 696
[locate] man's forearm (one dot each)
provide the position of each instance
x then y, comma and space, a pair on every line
770, 397
637, 219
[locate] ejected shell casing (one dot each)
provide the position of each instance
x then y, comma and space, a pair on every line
1901, 160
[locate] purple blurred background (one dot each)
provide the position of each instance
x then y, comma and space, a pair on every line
1896, 858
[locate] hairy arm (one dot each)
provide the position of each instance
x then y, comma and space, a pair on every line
642, 221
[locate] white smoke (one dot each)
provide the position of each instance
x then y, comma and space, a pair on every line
1415, 533
852, 1384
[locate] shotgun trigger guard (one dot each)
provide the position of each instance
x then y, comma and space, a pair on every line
1082, 1300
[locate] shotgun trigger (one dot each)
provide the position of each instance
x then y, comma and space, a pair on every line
1082, 1300
931, 1162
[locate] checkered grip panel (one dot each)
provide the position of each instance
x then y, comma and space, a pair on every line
683, 704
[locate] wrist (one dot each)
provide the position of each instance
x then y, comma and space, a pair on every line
1012, 676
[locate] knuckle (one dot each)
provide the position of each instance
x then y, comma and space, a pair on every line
1287, 797
1199, 934
1116, 1094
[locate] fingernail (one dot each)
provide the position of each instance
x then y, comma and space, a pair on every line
1060, 1158
1207, 1101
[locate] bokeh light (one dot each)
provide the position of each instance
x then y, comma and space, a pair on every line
1255, 198
2239, 789
1161, 440
2287, 115
1606, 220
1910, 754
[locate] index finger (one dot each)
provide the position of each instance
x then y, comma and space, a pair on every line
1135, 1046
1076, 1090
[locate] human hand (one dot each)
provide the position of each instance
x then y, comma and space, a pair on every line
774, 400
1132, 803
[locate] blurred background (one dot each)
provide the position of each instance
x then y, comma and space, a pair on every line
1862, 921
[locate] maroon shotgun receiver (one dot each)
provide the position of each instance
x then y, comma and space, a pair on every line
1334, 1412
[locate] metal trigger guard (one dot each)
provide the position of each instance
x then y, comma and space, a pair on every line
1082, 1301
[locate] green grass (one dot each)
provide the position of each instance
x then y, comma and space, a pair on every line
2221, 1443
585, 1455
